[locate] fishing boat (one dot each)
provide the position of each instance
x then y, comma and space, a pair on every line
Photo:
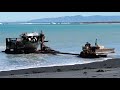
26, 43
96, 51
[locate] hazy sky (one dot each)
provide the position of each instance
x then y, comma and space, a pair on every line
26, 16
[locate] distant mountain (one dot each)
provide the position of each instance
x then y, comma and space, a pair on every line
79, 18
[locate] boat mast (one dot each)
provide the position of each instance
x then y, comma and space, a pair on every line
42, 40
96, 42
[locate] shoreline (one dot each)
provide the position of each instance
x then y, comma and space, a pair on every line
65, 71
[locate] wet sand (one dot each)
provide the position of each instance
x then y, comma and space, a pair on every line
104, 69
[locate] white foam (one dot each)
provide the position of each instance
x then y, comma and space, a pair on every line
106, 58
26, 23
2, 47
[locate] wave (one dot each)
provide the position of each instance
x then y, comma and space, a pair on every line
107, 58
2, 48
34, 23
26, 23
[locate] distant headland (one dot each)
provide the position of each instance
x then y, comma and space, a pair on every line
78, 19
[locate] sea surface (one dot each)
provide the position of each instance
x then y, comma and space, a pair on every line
65, 38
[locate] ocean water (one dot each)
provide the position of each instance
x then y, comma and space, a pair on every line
65, 38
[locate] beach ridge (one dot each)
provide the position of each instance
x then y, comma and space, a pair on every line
108, 64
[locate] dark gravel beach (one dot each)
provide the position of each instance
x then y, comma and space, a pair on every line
104, 69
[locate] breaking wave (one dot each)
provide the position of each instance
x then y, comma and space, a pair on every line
2, 48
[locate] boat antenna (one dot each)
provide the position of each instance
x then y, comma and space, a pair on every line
41, 32
96, 42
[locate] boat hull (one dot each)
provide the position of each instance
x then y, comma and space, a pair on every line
91, 55
31, 47
105, 50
